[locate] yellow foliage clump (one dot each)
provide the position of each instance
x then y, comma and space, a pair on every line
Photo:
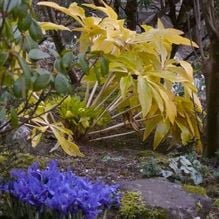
140, 69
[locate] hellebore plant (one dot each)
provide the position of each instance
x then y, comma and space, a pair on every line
61, 192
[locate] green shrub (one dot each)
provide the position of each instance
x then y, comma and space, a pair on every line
151, 168
79, 117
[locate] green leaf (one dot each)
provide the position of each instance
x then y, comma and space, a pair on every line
21, 11
8, 80
62, 85
54, 53
7, 30
35, 31
104, 66
26, 71
98, 73
37, 54
144, 95
9, 5
3, 58
24, 23
67, 59
83, 63
19, 88
14, 118
58, 65
29, 43
2, 113
43, 79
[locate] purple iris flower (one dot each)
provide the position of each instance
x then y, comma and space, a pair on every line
61, 191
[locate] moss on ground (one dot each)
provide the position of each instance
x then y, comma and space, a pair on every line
198, 190
9, 161
133, 207
216, 203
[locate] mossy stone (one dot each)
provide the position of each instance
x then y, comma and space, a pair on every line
198, 190
133, 207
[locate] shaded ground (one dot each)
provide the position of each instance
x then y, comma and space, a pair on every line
112, 161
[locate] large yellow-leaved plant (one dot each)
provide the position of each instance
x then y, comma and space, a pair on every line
139, 71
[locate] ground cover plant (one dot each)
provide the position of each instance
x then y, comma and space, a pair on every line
51, 193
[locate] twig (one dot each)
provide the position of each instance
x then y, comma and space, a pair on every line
33, 117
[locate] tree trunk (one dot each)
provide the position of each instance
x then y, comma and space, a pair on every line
213, 101
116, 6
211, 15
131, 13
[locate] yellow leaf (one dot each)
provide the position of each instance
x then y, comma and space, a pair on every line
189, 122
51, 26
199, 145
168, 75
188, 68
185, 133
157, 98
68, 146
73, 10
144, 95
179, 40
150, 125
54, 5
42, 128
59, 126
160, 24
36, 139
169, 104
107, 10
146, 27
162, 130
197, 102
84, 42
125, 83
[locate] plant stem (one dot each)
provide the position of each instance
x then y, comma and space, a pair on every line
116, 135
92, 94
108, 81
125, 111
106, 98
113, 127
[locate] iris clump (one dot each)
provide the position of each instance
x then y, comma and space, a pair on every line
61, 191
